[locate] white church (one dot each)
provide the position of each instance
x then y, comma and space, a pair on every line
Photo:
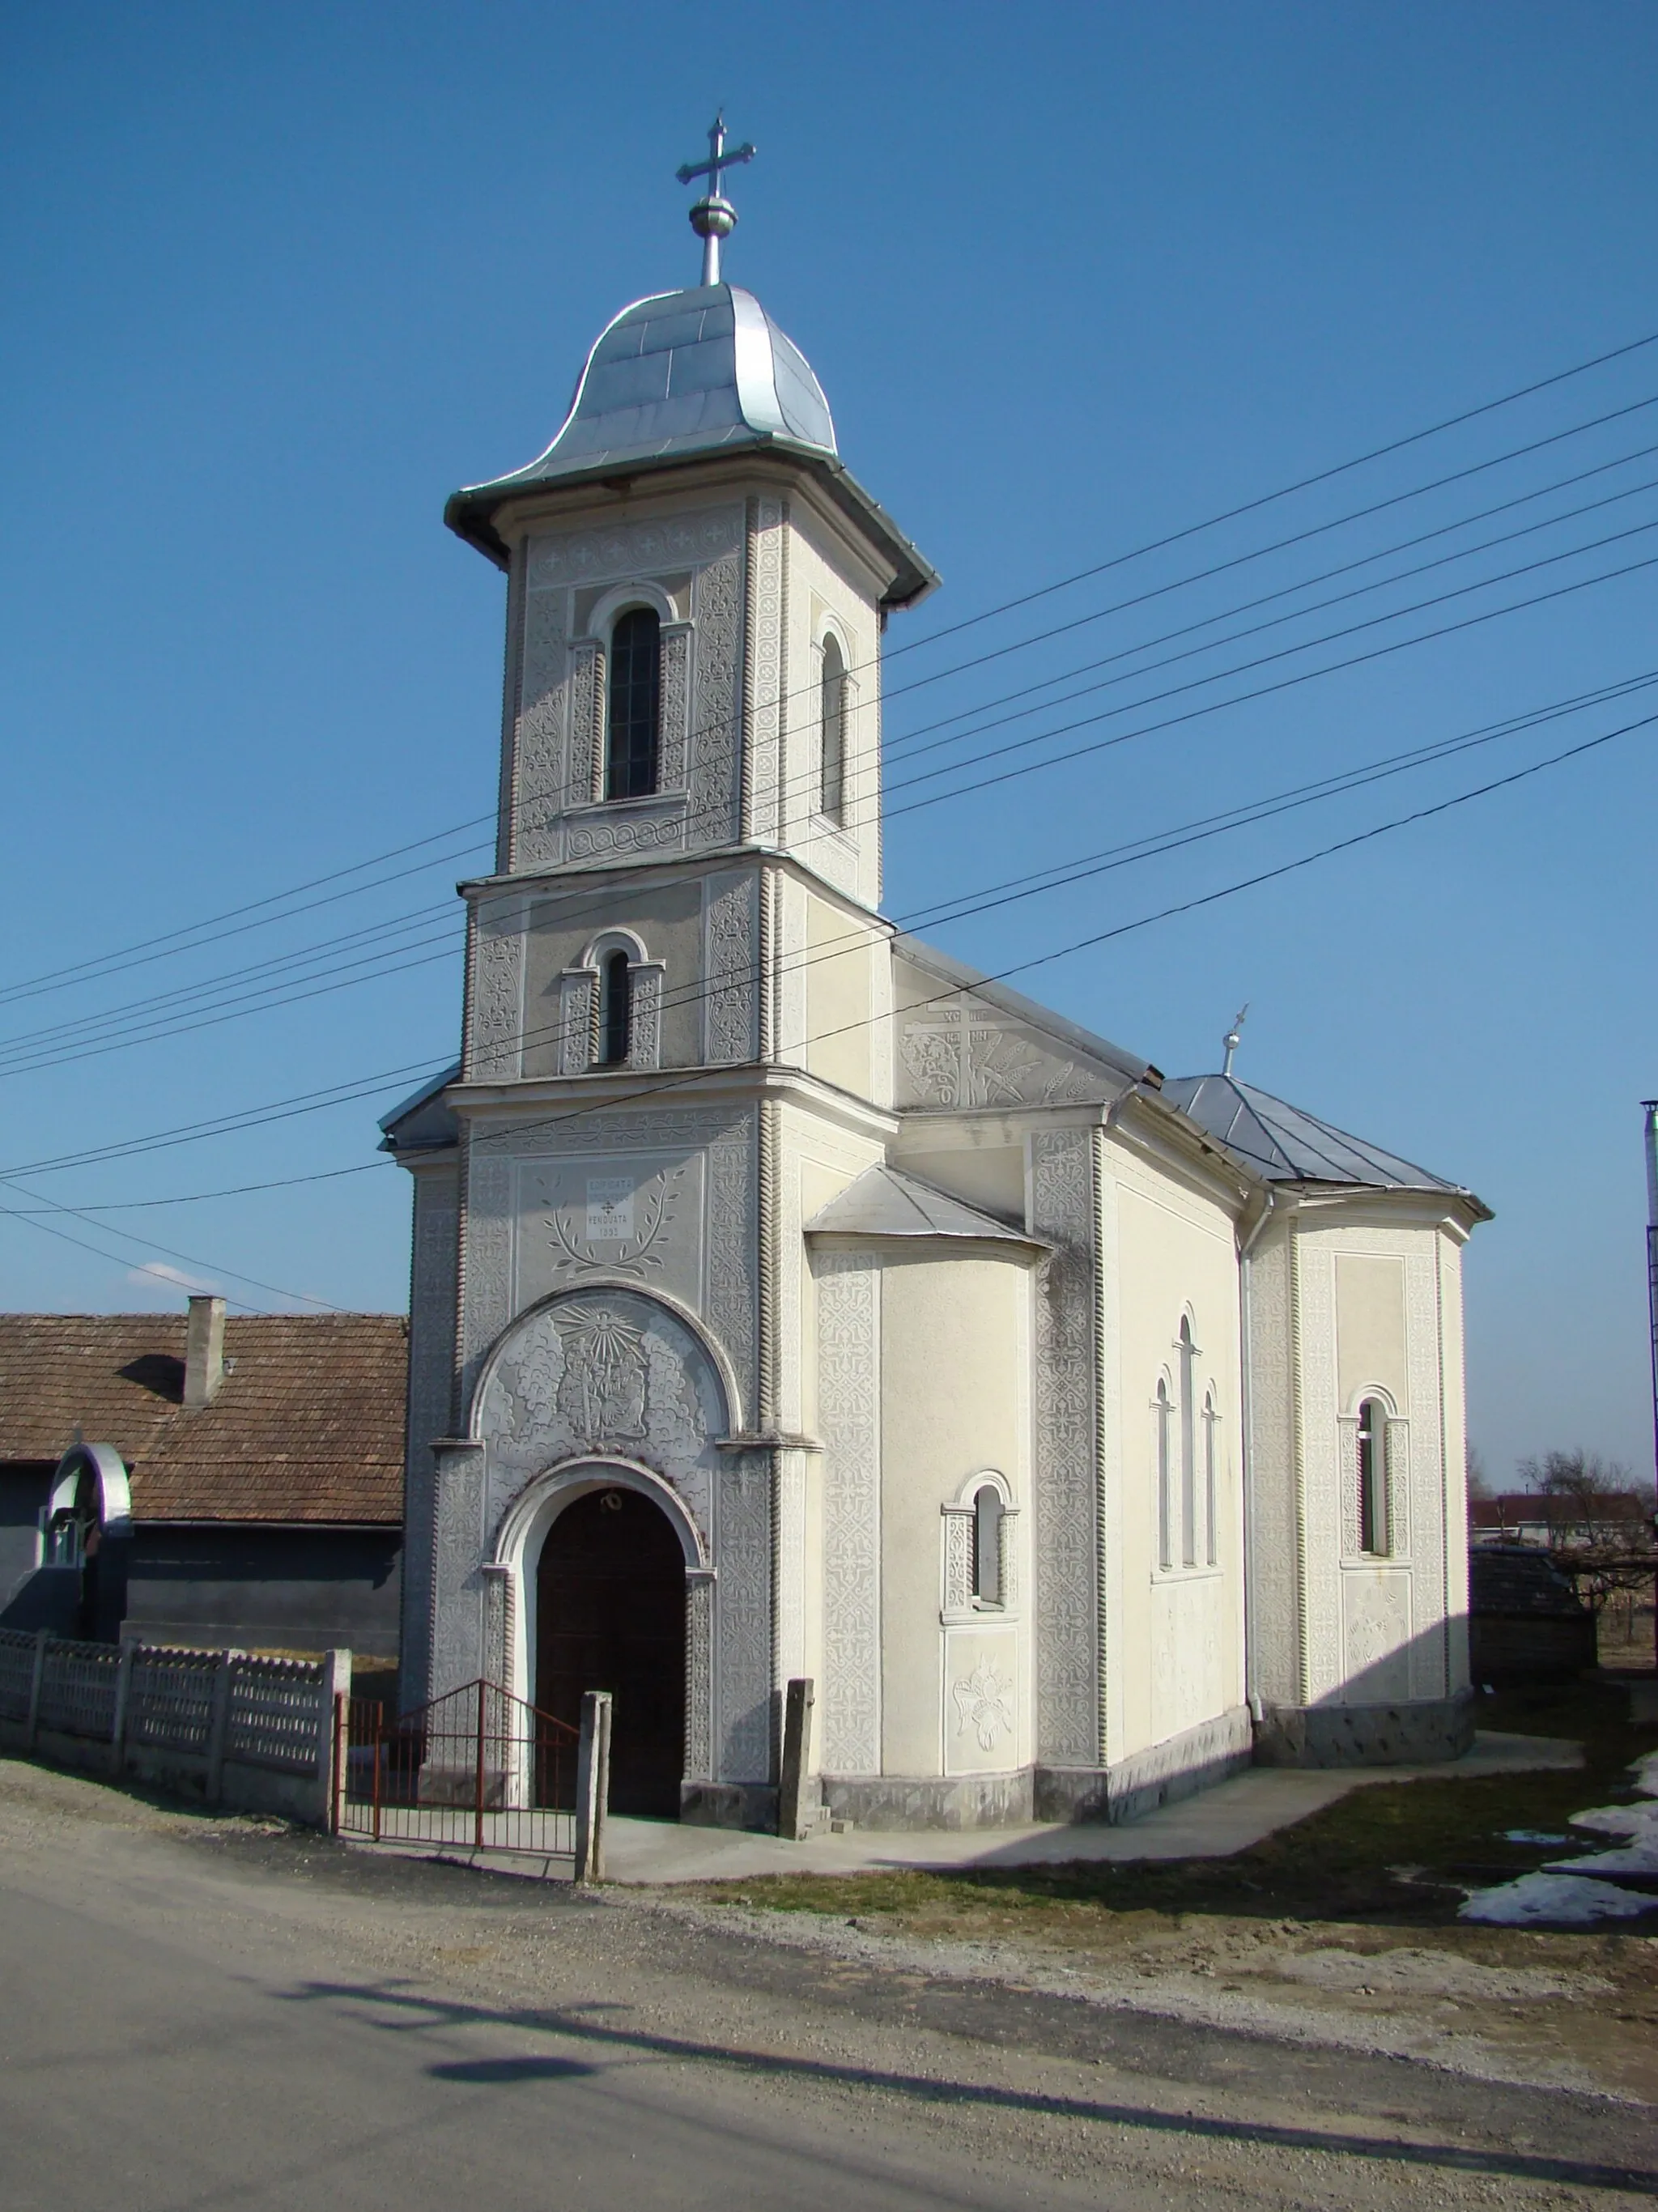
790, 1301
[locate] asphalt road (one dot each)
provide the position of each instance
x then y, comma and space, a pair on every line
194, 2015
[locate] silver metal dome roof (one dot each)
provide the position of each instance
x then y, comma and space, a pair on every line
682, 377
684, 373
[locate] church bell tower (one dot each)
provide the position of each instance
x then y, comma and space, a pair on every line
676, 967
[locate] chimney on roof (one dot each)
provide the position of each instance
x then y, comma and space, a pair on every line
203, 1353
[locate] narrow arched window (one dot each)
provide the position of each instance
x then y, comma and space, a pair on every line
1372, 1476
633, 680
832, 797
615, 1011
1164, 1412
1188, 1447
1210, 1527
987, 1546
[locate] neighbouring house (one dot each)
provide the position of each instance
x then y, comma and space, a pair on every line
203, 1481
1557, 1520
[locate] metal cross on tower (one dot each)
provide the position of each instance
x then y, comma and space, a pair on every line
714, 217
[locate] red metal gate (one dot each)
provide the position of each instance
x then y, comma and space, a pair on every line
478, 1769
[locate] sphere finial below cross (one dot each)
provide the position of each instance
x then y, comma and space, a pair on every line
1233, 1038
714, 217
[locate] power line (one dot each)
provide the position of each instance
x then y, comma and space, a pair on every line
907, 744
599, 900
38, 1048
31, 985
1287, 491
354, 1088
129, 956
197, 1197
1262, 691
146, 1244
265, 1000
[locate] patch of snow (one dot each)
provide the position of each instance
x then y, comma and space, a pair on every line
1571, 1899
1645, 1774
1532, 1835
1616, 1820
1638, 1856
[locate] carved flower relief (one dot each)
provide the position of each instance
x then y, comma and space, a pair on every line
982, 1705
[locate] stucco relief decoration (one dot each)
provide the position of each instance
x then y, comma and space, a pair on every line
1066, 1498
653, 832
603, 1392
586, 557
955, 1056
497, 1024
539, 746
584, 725
641, 1217
1378, 1637
618, 1371
676, 708
730, 968
767, 648
980, 1699
848, 1370
714, 712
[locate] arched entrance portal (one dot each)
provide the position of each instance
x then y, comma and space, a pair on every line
611, 1615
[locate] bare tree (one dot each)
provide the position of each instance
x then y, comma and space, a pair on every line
1600, 1525
1479, 1484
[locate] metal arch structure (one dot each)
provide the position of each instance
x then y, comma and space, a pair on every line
109, 1472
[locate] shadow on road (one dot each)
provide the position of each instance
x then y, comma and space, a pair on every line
415, 2012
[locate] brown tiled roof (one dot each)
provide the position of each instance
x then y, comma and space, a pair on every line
308, 1425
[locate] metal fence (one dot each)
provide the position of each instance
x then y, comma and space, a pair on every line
234, 1727
478, 1769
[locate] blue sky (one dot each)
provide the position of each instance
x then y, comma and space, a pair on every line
1074, 278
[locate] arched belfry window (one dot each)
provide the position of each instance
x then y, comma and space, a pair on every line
1373, 1532
832, 793
615, 1010
988, 1510
632, 684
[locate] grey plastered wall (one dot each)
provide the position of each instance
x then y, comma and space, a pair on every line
1270, 1472
667, 919
431, 1369
1062, 1211
25, 1492
253, 1589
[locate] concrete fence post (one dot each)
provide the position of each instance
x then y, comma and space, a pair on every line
218, 1724
592, 1785
797, 1759
118, 1733
37, 1684
333, 1738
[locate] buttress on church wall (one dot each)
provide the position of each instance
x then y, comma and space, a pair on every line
1174, 1632
1353, 1301
921, 1395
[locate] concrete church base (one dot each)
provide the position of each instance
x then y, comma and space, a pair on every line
1130, 1788
928, 1801
1365, 1735
729, 1805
